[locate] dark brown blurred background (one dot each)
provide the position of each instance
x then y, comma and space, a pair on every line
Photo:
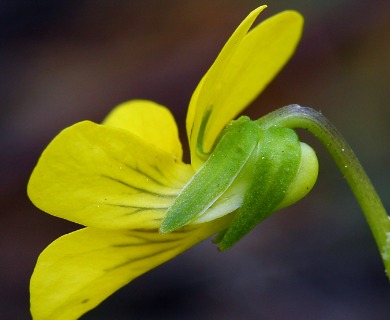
66, 61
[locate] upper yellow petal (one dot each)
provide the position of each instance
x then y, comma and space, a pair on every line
200, 103
106, 177
149, 121
246, 64
79, 270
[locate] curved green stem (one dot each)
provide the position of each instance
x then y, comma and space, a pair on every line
295, 116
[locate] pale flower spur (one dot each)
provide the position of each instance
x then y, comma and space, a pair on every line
124, 180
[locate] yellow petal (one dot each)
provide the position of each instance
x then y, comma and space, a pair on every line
79, 270
239, 74
106, 177
149, 121
200, 101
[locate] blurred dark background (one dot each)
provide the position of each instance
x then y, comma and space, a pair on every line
66, 61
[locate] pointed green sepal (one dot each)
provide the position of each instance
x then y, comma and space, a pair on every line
231, 153
278, 157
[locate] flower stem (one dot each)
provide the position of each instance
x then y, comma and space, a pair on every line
295, 116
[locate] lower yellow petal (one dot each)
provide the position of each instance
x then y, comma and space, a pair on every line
79, 270
150, 121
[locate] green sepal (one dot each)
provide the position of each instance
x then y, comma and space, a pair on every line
235, 147
218, 238
278, 156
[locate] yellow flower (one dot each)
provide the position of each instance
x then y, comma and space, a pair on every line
119, 178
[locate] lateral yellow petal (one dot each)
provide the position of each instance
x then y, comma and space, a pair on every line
106, 177
79, 270
150, 121
241, 76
